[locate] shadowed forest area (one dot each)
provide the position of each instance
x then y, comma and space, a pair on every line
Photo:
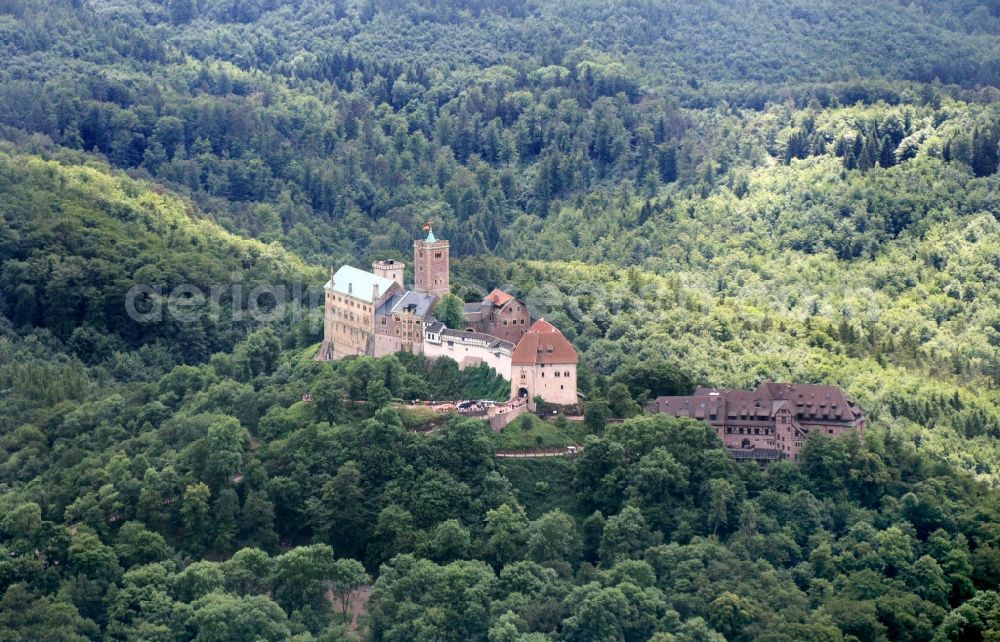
695, 192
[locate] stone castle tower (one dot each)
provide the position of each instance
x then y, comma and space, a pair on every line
390, 269
431, 266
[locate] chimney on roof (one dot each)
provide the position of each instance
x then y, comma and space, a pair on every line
350, 288
374, 292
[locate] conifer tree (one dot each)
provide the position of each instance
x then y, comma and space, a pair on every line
984, 152
869, 153
887, 153
181, 11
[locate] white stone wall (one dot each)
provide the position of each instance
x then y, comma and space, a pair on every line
468, 354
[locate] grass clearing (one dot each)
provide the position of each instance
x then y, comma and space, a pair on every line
529, 432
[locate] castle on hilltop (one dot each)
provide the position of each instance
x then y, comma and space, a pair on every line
771, 422
373, 314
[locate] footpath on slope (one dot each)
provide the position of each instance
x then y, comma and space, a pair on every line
569, 451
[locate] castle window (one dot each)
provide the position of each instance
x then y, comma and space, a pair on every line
437, 255
566, 374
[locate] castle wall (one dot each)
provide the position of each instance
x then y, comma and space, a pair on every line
468, 354
554, 383
405, 329
385, 344
349, 323
501, 415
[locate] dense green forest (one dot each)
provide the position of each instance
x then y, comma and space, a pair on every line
695, 192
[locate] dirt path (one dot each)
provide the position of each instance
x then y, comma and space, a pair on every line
359, 604
356, 608
536, 454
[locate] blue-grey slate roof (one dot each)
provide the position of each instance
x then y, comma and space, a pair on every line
422, 303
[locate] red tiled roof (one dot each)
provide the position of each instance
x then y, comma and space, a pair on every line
543, 344
498, 297
808, 403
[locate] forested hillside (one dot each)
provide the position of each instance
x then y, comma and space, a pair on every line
695, 193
